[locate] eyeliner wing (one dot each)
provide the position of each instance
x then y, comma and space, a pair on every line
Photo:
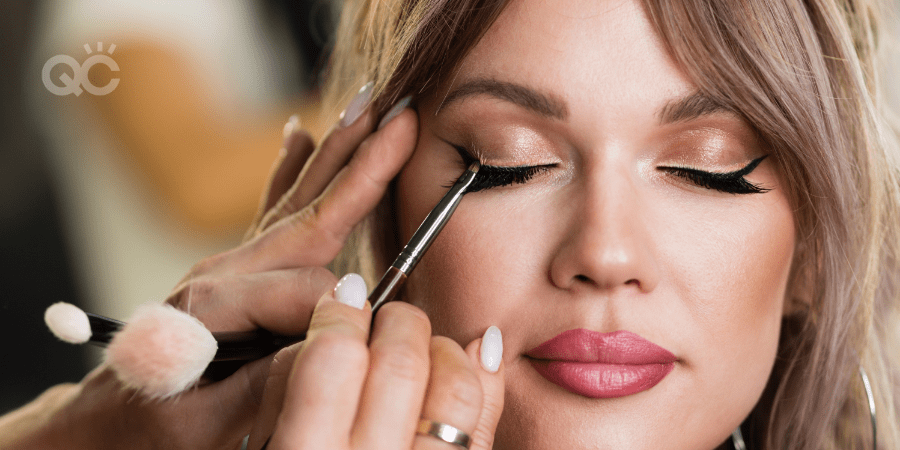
731, 182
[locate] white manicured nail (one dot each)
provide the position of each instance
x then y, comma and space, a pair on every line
357, 105
351, 290
395, 111
492, 349
292, 124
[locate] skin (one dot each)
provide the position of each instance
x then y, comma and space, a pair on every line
604, 241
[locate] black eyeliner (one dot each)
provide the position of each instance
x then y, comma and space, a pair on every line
730, 182
497, 176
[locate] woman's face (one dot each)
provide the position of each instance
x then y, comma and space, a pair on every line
691, 277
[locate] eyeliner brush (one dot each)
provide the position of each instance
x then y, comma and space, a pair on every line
387, 289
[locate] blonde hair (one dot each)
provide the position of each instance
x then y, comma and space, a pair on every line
803, 73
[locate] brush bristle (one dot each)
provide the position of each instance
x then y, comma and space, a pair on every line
162, 351
68, 322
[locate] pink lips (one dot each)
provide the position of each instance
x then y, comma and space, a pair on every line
602, 365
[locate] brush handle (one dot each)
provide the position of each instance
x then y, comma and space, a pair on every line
237, 348
387, 289
103, 329
250, 345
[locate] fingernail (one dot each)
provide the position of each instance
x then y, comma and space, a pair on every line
492, 349
351, 290
395, 111
292, 124
357, 105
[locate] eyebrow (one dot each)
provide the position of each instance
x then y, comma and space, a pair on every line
528, 98
682, 109
689, 107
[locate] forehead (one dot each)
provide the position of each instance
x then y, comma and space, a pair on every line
592, 55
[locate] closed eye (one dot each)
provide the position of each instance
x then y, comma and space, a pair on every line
729, 182
496, 176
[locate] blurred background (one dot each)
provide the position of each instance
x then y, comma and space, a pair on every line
140, 151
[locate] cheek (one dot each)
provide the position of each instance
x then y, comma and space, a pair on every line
478, 269
729, 270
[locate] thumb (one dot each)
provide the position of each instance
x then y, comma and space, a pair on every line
487, 353
273, 395
220, 414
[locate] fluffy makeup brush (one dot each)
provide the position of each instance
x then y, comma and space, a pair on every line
162, 351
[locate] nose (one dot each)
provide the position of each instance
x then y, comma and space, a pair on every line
607, 244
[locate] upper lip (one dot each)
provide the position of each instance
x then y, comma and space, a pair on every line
586, 346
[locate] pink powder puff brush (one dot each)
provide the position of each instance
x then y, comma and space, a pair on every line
162, 350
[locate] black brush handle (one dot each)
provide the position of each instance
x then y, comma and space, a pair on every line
237, 348
103, 329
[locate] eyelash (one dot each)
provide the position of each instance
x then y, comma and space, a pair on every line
497, 176
728, 182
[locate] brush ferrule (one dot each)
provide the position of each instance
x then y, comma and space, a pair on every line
434, 222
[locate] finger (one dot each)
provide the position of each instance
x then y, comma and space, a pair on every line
326, 378
279, 371
297, 151
237, 401
279, 301
337, 147
217, 415
297, 148
487, 354
454, 395
316, 234
398, 372
273, 396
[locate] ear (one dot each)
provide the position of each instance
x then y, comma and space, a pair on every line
801, 284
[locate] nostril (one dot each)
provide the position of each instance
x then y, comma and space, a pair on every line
633, 281
583, 278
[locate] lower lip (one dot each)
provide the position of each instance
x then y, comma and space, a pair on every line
598, 380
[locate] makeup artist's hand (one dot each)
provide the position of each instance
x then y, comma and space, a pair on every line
272, 281
334, 391
345, 390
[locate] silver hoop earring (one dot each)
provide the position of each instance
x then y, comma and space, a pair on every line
870, 397
738, 439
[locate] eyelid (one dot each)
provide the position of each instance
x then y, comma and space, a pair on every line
469, 158
730, 182
496, 176
749, 167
